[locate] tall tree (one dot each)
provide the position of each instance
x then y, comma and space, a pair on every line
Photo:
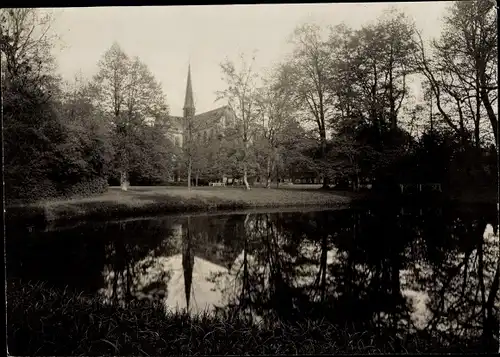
241, 94
30, 140
87, 152
144, 96
368, 78
373, 68
276, 121
309, 69
27, 42
463, 68
128, 92
111, 83
397, 46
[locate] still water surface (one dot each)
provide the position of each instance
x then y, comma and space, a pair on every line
390, 269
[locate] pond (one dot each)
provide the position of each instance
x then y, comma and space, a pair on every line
386, 269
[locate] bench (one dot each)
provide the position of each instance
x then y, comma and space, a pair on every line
433, 186
217, 184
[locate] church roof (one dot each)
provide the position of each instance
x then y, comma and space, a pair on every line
204, 120
211, 117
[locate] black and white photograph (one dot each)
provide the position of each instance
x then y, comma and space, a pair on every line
251, 179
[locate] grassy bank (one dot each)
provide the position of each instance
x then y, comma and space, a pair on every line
153, 201
148, 201
43, 321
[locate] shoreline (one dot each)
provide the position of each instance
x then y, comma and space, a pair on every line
70, 224
153, 202
139, 203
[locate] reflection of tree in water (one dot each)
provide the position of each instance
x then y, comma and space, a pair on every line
132, 270
234, 285
463, 285
393, 271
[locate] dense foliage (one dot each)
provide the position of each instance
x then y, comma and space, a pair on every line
374, 105
67, 139
379, 104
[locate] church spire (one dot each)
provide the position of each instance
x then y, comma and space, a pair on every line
189, 108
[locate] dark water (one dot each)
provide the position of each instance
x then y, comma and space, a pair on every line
381, 269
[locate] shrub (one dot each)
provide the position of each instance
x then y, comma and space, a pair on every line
94, 186
30, 190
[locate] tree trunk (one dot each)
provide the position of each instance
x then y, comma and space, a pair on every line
245, 163
477, 119
395, 278
490, 325
326, 181
124, 180
356, 182
268, 173
196, 178
277, 176
392, 100
491, 114
480, 268
477, 139
245, 176
323, 265
189, 173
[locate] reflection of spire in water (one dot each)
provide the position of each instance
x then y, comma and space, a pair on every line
187, 263
189, 282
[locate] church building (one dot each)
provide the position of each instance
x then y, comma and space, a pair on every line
205, 126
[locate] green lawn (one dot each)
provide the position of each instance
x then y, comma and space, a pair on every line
149, 201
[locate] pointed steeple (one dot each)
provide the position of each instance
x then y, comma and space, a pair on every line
189, 108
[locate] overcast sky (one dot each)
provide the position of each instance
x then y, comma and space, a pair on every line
167, 38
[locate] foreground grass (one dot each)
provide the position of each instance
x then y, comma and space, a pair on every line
44, 321
146, 201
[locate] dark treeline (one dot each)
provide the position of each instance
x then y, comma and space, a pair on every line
67, 139
357, 86
377, 104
